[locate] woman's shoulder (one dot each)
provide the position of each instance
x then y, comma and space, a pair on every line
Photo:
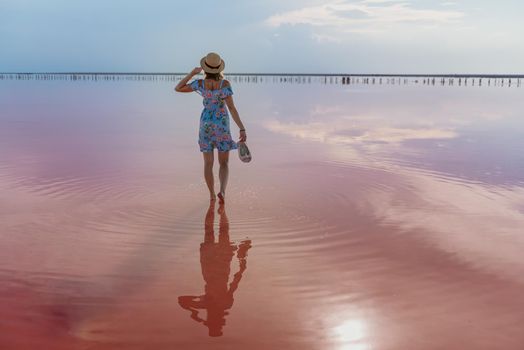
226, 89
196, 84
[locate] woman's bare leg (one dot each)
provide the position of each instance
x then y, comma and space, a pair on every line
223, 173
208, 173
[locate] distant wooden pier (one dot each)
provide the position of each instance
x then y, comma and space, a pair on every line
501, 80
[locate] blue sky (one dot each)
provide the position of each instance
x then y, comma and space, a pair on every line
297, 36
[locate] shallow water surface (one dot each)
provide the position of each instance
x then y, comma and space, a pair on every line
373, 216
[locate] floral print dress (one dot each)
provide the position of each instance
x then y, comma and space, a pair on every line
214, 121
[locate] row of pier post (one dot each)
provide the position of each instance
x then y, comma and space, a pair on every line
455, 80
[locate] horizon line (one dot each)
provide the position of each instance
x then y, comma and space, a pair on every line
437, 75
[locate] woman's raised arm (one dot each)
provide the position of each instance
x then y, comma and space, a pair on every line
182, 84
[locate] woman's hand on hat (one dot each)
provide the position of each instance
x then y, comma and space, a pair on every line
196, 70
243, 136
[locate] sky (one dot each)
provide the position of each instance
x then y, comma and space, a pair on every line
263, 36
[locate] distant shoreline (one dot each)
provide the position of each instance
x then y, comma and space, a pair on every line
401, 75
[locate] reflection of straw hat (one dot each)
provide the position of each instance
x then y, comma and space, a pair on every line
212, 63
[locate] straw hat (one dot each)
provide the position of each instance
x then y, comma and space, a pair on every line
212, 63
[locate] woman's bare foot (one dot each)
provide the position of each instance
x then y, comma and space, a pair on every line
221, 208
221, 197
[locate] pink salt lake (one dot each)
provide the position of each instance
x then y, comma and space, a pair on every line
371, 217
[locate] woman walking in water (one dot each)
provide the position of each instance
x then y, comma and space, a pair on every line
214, 121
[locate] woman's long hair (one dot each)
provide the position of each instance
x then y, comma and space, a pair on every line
216, 76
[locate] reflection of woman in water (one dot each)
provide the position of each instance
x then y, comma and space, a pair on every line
215, 260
